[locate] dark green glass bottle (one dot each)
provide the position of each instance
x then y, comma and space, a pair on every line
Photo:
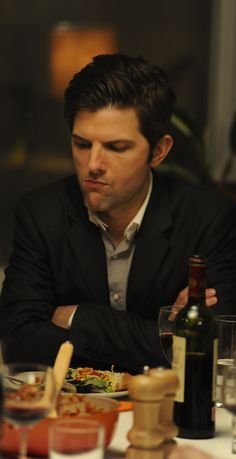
194, 359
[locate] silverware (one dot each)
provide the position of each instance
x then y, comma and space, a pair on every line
66, 387
13, 379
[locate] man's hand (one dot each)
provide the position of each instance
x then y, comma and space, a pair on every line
62, 314
182, 297
182, 300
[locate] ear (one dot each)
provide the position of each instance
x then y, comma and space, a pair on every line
161, 150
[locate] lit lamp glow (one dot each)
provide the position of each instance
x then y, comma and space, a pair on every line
72, 47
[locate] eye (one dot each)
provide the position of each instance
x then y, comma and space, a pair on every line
81, 145
117, 148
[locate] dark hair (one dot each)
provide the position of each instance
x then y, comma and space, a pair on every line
121, 81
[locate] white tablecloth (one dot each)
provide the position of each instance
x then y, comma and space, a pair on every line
219, 446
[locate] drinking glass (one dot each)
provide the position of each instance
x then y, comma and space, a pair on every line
229, 398
166, 321
28, 397
77, 438
226, 325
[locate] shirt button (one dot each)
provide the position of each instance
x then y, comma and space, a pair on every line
116, 297
114, 257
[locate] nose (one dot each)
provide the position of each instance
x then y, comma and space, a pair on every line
96, 162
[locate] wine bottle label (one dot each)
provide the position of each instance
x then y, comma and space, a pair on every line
214, 375
178, 365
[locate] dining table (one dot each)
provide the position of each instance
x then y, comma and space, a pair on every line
219, 446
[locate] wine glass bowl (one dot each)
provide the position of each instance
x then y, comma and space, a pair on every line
166, 321
28, 397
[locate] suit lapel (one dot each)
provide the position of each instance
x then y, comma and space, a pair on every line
87, 245
152, 245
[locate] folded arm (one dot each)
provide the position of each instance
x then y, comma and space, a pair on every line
63, 315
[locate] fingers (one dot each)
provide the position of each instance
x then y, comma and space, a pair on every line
182, 299
174, 312
211, 297
179, 303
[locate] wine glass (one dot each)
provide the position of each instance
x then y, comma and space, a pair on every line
229, 398
28, 397
166, 322
76, 438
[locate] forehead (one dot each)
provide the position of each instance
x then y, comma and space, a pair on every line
109, 122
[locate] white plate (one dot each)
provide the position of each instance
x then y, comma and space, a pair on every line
40, 374
122, 393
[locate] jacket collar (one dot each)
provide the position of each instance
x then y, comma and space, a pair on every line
152, 245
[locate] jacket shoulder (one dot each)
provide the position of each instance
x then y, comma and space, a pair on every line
52, 196
185, 193
52, 191
49, 203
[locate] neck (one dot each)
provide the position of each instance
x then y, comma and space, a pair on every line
117, 224
119, 218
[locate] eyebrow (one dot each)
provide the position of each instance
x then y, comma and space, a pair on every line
77, 137
113, 141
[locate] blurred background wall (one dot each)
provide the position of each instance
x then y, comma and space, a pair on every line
43, 42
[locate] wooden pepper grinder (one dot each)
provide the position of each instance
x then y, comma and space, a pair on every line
146, 435
171, 382
151, 427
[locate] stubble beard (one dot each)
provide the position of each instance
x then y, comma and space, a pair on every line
99, 204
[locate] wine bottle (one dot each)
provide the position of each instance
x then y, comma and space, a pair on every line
194, 359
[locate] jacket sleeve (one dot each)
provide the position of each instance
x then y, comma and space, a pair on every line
124, 339
219, 244
27, 298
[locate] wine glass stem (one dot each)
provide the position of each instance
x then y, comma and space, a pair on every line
23, 439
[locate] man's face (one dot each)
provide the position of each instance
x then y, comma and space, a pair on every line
110, 156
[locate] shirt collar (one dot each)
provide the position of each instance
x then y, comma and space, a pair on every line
135, 224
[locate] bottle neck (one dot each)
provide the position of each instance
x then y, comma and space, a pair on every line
197, 283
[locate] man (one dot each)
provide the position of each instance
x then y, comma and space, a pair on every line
96, 255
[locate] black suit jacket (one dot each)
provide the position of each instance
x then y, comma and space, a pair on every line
59, 259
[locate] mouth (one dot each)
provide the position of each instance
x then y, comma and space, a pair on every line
94, 184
